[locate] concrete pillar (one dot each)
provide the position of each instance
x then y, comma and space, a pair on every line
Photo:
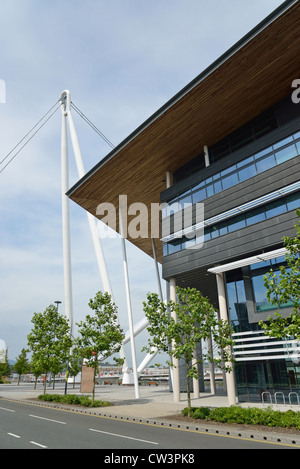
196, 390
175, 368
211, 368
230, 381
206, 156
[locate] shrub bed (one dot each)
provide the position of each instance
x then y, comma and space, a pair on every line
73, 399
249, 416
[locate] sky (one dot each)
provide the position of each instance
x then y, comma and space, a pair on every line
121, 60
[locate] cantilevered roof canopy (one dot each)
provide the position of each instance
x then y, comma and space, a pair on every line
253, 75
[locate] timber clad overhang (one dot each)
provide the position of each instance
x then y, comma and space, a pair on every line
251, 77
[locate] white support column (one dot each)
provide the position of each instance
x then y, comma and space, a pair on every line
157, 270
66, 107
168, 179
230, 381
129, 308
66, 222
206, 156
196, 390
175, 368
211, 368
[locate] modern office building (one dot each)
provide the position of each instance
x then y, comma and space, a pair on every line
229, 140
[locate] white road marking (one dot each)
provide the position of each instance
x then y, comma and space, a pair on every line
123, 436
8, 410
38, 444
15, 436
49, 420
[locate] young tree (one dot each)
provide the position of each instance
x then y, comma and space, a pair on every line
100, 335
36, 369
49, 340
5, 367
284, 288
22, 366
196, 321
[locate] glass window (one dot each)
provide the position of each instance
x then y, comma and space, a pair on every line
175, 246
185, 199
283, 142
227, 170
266, 163
210, 190
217, 187
214, 231
296, 135
286, 154
165, 249
262, 153
223, 228
230, 181
255, 216
275, 208
187, 243
244, 162
247, 173
262, 303
293, 201
206, 234
173, 207
236, 223
199, 195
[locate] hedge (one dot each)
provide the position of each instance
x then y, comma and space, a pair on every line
250, 416
73, 399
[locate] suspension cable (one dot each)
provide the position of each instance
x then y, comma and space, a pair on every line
31, 137
92, 125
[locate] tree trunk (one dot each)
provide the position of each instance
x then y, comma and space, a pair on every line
188, 390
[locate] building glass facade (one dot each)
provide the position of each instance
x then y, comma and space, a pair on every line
257, 378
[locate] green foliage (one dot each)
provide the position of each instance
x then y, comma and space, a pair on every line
284, 288
247, 416
22, 365
196, 320
100, 335
49, 340
73, 399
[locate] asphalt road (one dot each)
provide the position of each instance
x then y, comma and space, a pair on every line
28, 426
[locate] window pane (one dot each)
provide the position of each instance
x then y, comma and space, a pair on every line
275, 208
165, 249
206, 234
262, 303
296, 135
293, 201
263, 152
283, 142
266, 163
218, 187
255, 216
247, 173
210, 190
230, 181
199, 195
244, 162
286, 154
236, 223
186, 199
175, 246
223, 228
214, 231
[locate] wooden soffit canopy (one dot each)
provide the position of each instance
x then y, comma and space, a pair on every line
252, 76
